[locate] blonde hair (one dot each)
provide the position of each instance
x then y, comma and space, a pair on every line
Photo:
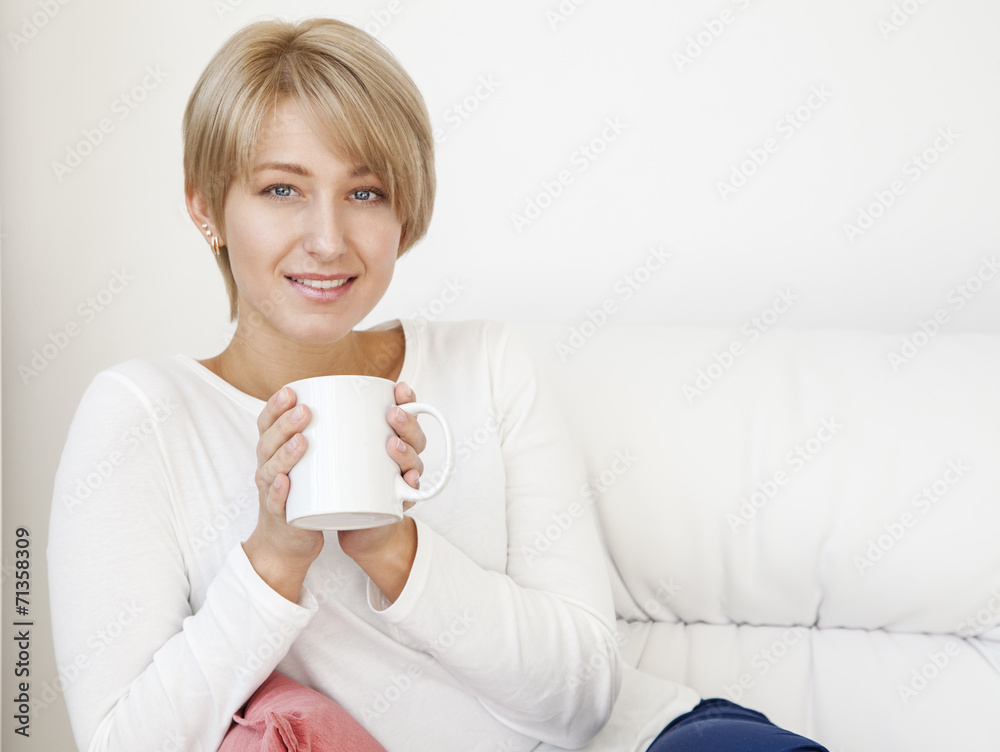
348, 86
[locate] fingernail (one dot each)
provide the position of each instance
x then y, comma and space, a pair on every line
417, 484
298, 413
282, 397
401, 415
409, 390
293, 443
276, 483
400, 446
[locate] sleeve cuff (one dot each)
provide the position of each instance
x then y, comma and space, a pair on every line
415, 583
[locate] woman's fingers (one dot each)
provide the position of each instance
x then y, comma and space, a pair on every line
280, 554
281, 461
277, 494
280, 401
406, 425
405, 447
281, 442
410, 464
274, 473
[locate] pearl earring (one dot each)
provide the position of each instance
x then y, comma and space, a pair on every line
214, 242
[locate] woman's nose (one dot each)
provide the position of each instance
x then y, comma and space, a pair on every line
325, 233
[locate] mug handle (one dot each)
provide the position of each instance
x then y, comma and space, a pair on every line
407, 492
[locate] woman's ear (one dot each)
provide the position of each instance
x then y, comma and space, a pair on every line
197, 208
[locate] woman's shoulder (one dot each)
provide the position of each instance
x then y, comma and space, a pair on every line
466, 333
155, 384
146, 374
496, 350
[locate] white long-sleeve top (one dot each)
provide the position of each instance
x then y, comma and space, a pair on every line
503, 637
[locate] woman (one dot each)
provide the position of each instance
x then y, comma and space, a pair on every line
177, 585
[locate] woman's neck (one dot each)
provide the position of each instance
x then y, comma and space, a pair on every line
260, 371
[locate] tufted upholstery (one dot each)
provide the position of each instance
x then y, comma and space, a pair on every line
809, 529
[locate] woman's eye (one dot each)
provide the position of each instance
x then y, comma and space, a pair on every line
370, 195
278, 191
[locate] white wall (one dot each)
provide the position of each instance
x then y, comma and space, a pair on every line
556, 79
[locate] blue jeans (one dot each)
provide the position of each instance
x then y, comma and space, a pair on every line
718, 725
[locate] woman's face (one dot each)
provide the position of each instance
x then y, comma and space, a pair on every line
313, 240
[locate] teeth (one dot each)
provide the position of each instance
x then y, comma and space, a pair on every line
321, 284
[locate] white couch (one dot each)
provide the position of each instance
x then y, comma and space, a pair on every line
815, 535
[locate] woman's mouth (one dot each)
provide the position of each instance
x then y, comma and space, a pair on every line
321, 290
321, 284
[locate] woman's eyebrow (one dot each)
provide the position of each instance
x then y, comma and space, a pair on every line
298, 169
283, 167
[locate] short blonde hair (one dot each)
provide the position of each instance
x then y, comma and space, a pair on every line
349, 87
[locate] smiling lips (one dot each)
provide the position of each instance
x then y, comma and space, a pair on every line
321, 284
322, 288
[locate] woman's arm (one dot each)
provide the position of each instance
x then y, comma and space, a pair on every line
152, 674
536, 643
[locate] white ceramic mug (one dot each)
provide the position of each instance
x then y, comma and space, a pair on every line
346, 479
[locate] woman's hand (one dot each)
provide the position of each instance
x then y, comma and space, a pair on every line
386, 553
280, 554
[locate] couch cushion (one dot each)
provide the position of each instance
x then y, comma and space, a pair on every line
805, 520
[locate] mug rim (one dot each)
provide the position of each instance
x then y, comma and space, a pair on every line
340, 376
